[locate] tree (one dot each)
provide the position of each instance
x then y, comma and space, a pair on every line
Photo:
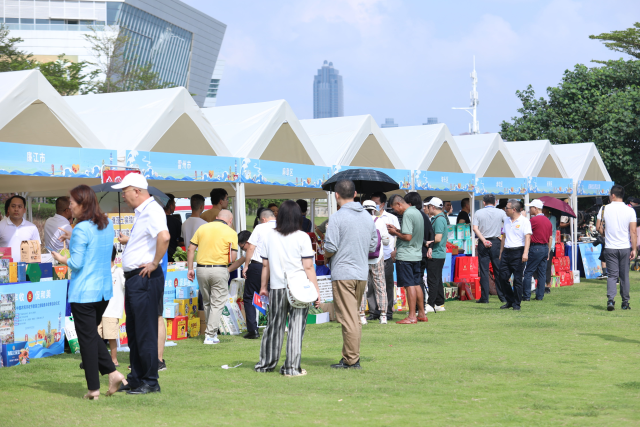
600, 105
11, 58
625, 41
69, 78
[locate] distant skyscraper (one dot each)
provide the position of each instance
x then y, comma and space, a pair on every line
431, 121
212, 93
327, 93
388, 123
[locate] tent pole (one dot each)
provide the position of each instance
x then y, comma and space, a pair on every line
574, 229
30, 208
312, 214
526, 202
472, 200
240, 208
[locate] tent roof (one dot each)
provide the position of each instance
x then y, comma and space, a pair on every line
536, 158
163, 120
264, 130
487, 155
582, 161
352, 141
427, 147
33, 112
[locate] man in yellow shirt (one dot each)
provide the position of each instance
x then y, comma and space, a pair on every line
217, 245
219, 200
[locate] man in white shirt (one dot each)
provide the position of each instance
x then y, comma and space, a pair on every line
54, 226
253, 271
14, 229
514, 253
144, 285
620, 241
191, 225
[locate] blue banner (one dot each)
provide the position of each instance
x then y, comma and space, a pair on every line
401, 176
541, 185
444, 181
594, 188
500, 186
33, 313
184, 167
590, 261
44, 160
284, 174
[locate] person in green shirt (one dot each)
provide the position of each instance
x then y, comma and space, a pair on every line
436, 254
410, 238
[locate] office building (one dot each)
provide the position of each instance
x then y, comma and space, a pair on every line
212, 93
388, 123
180, 42
431, 121
327, 93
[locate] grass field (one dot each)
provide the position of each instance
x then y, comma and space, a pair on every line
562, 361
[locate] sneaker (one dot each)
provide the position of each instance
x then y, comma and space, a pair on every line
429, 309
383, 320
626, 306
440, 308
611, 305
161, 365
212, 340
363, 319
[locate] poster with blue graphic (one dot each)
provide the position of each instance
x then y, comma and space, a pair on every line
589, 255
42, 160
500, 186
594, 188
541, 185
33, 314
268, 172
444, 181
184, 167
401, 176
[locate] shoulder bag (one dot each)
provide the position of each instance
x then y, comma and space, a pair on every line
300, 291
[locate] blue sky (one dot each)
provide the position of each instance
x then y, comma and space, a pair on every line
410, 59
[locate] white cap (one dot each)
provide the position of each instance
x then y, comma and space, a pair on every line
370, 204
535, 204
133, 179
435, 202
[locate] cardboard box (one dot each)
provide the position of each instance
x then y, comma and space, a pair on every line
6, 253
187, 307
177, 328
203, 321
22, 272
13, 272
30, 251
33, 272
183, 292
236, 316
194, 327
16, 353
46, 269
451, 232
450, 293
171, 310
61, 272
316, 319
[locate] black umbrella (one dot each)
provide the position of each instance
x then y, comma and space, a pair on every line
366, 181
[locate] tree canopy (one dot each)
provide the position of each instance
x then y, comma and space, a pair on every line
625, 41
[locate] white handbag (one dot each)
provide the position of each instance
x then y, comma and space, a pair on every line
300, 291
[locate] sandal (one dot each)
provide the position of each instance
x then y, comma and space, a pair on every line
407, 321
302, 372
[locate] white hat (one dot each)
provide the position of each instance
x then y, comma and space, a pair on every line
435, 202
370, 204
535, 204
132, 180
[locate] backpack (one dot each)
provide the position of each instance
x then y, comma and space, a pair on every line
376, 253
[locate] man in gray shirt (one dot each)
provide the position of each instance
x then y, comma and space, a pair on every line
487, 224
351, 235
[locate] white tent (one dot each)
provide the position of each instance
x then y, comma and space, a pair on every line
427, 148
265, 131
582, 162
352, 141
33, 112
488, 156
536, 159
163, 120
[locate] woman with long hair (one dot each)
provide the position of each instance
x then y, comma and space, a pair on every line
285, 248
90, 289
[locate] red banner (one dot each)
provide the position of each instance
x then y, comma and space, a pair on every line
116, 175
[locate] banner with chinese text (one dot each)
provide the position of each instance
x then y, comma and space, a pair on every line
184, 167
284, 174
443, 181
594, 188
541, 185
500, 186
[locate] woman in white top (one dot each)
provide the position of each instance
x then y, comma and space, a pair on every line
109, 327
376, 267
285, 248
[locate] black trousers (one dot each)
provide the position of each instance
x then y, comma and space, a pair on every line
434, 281
371, 296
93, 350
511, 263
143, 305
552, 254
252, 284
486, 256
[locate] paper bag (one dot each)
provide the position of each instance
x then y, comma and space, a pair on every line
30, 251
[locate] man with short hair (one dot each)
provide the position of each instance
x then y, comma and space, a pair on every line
191, 225
465, 209
253, 271
617, 222
144, 283
53, 225
539, 251
514, 252
14, 228
487, 225
351, 236
447, 208
217, 245
219, 200
414, 199
410, 238
174, 224
437, 254
306, 222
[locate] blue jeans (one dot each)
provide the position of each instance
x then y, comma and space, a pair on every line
536, 265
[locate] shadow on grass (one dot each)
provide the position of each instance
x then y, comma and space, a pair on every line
65, 389
613, 338
598, 307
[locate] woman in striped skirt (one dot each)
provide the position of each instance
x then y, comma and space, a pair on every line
286, 248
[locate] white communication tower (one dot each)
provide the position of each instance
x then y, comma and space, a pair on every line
474, 128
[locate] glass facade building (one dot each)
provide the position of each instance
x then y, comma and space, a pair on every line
431, 121
389, 123
328, 100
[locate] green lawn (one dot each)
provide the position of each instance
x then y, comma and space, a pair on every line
562, 361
